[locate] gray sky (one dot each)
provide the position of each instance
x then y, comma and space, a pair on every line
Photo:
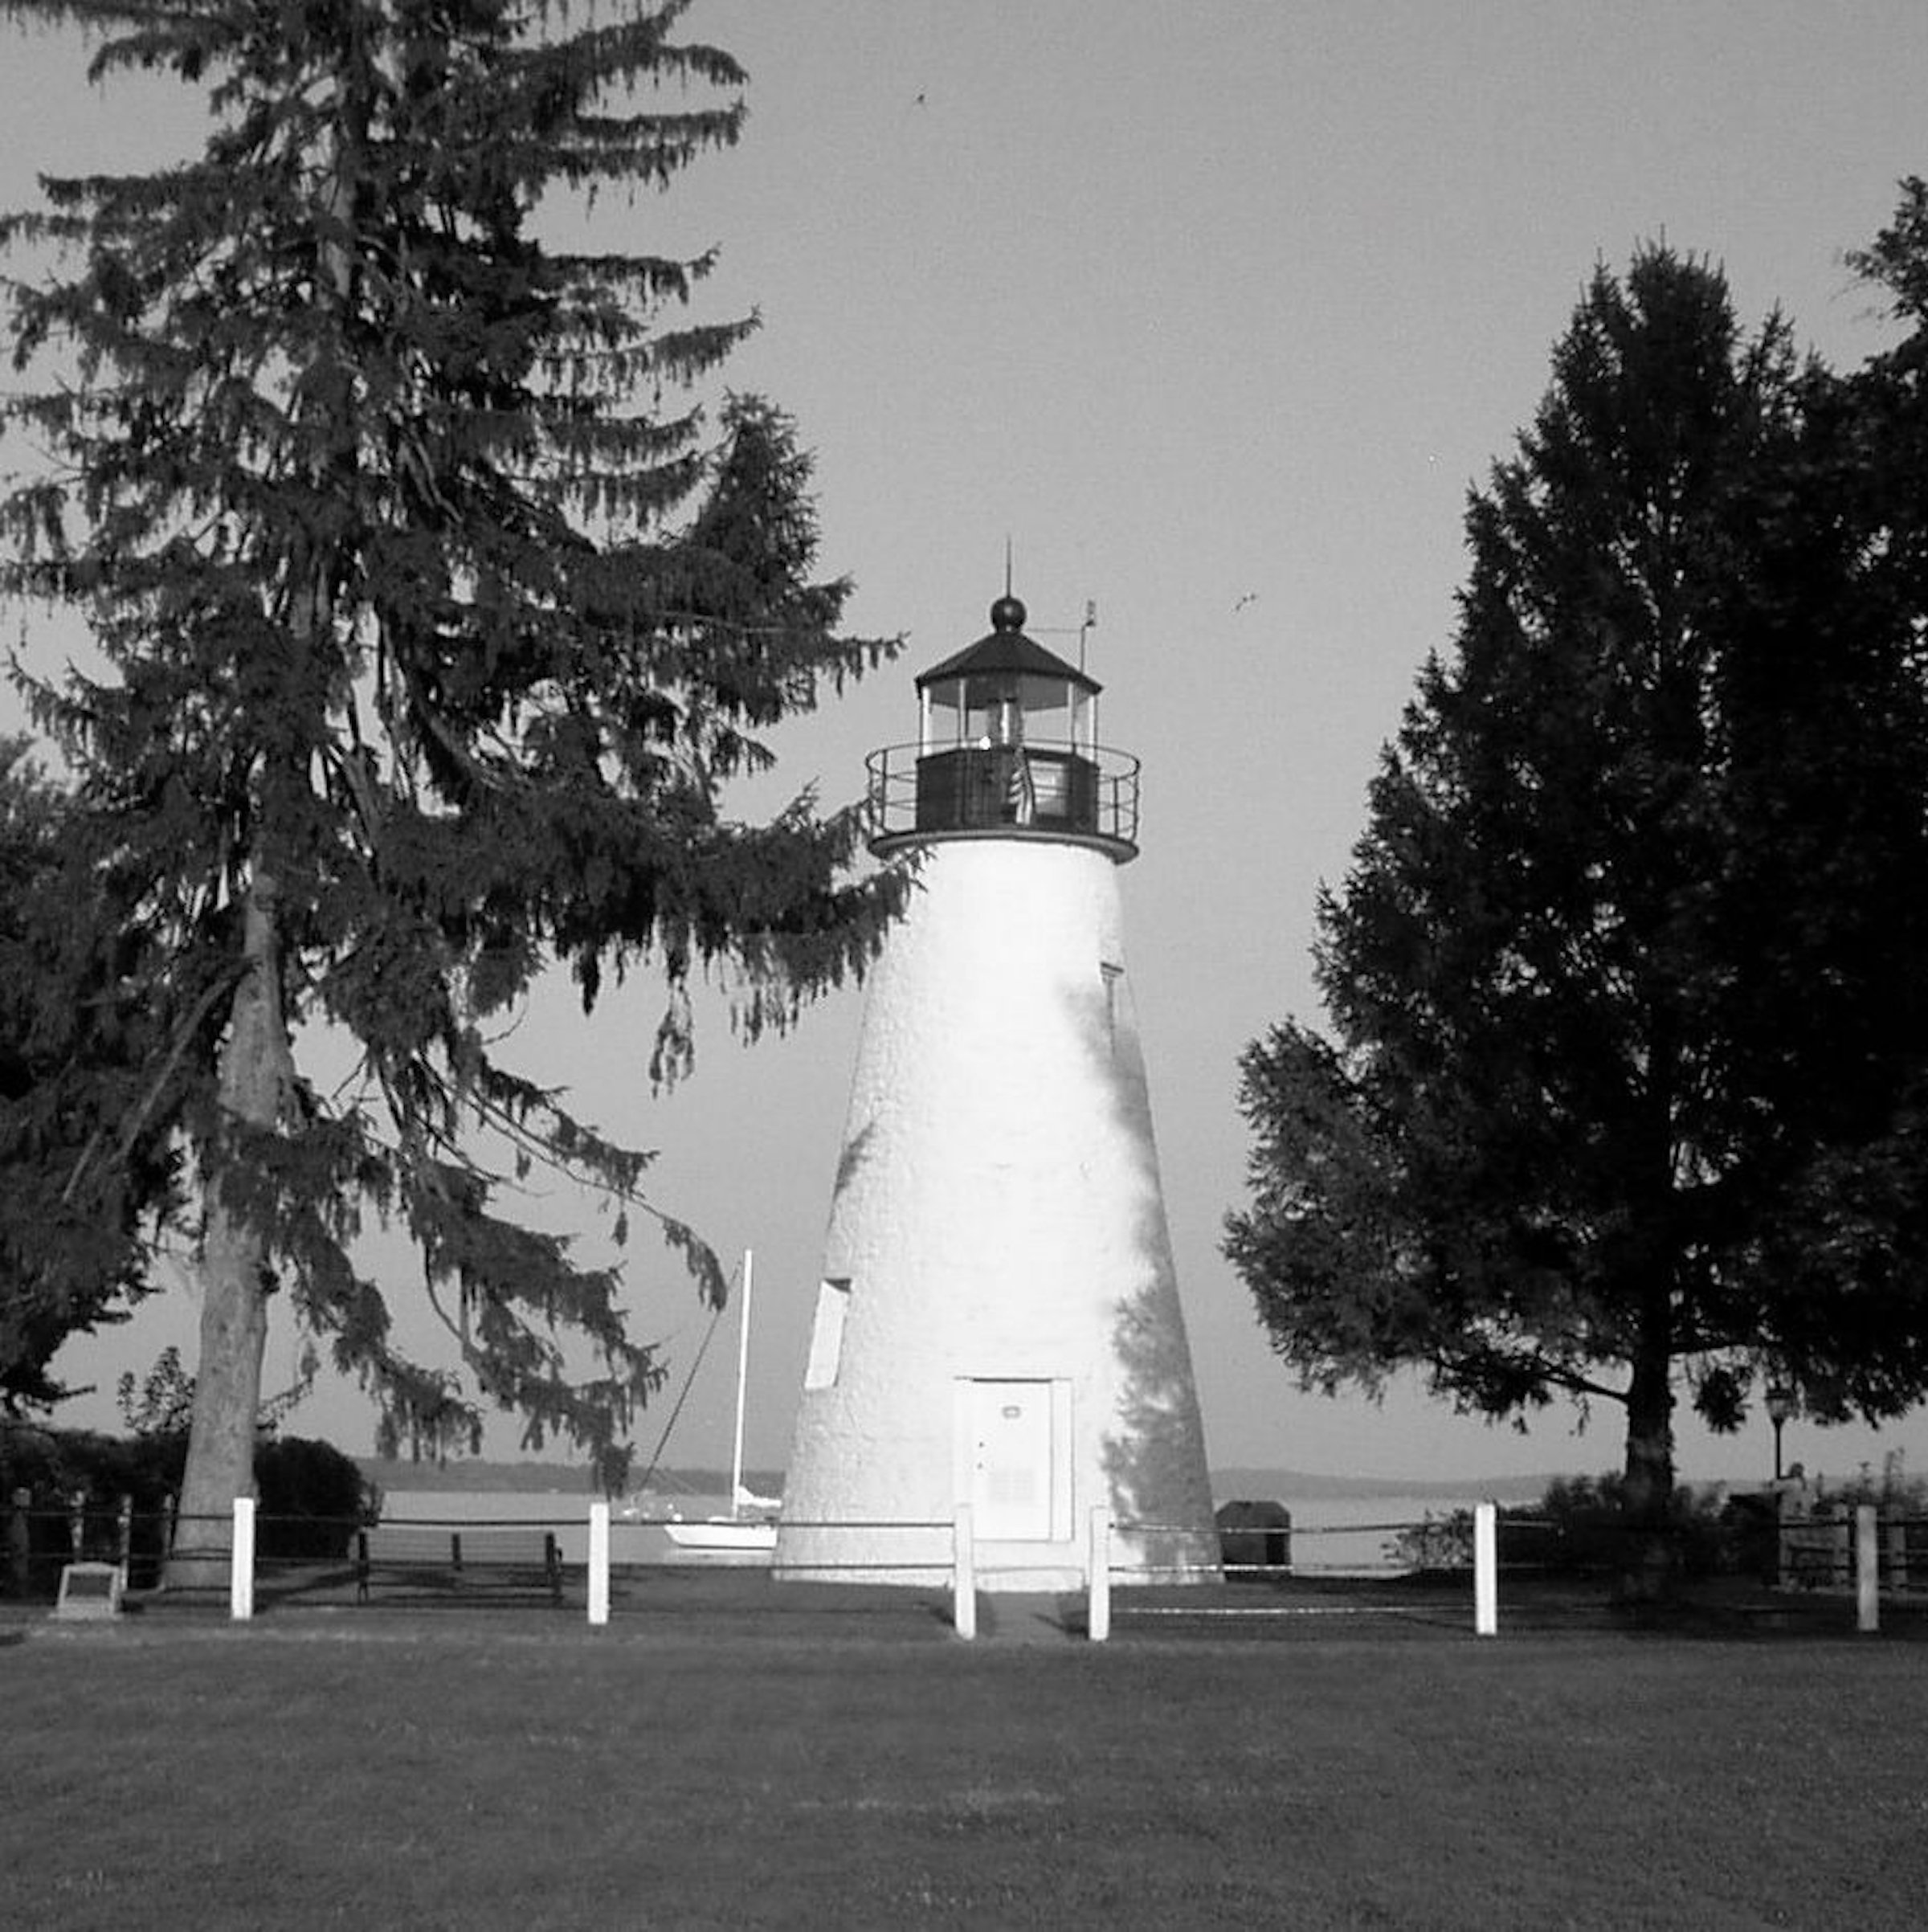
1214, 311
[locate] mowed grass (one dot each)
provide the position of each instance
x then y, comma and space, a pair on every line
472, 1769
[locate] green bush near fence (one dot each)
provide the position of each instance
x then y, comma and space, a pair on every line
1578, 1529
60, 1470
311, 1497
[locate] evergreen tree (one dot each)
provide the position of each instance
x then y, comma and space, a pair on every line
437, 618
1626, 977
1890, 399
88, 1177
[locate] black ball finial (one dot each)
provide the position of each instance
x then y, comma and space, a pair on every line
1007, 613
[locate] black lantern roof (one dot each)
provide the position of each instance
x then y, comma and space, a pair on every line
1006, 650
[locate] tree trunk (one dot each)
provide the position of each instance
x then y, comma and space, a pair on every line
234, 1268
1647, 1492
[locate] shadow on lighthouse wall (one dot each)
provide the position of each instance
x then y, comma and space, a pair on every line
850, 1161
1149, 1458
1154, 1455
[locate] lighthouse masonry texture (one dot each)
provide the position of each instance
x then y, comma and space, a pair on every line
999, 1321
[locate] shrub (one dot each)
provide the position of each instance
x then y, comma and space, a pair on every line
313, 1497
1894, 1492
54, 1466
1436, 1542
1580, 1528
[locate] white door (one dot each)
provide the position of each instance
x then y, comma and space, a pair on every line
1011, 1461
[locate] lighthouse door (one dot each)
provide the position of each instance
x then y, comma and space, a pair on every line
1010, 1430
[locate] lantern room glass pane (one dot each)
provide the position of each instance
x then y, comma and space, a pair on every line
943, 725
1084, 720
1047, 710
991, 714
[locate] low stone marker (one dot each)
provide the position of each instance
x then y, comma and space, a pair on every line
89, 1592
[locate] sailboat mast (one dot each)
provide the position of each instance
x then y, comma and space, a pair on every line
736, 1466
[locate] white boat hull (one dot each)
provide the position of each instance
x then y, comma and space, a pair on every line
723, 1538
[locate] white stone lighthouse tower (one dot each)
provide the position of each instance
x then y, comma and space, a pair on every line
999, 1321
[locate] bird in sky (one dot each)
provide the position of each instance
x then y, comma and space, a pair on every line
1250, 597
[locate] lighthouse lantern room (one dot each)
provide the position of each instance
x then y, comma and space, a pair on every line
1006, 743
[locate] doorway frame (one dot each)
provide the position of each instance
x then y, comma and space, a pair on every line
966, 1394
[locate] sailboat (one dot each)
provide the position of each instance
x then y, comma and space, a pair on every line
749, 1530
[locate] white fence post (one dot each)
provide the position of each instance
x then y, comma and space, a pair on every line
241, 1562
1097, 1617
964, 1580
1485, 1571
1866, 1570
598, 1562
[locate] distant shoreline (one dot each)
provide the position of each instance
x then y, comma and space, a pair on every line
397, 1477
1308, 1486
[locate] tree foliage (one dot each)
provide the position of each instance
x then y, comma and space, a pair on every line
1626, 980
163, 1403
438, 617
89, 1177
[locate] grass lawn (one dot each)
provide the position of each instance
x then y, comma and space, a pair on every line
688, 1768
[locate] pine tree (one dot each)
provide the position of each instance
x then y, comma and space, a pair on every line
1626, 976
438, 616
88, 1179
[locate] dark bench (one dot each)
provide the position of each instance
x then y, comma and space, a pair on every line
505, 1558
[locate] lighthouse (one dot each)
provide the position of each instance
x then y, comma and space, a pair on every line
998, 1324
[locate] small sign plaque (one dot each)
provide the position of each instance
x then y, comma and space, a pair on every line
89, 1590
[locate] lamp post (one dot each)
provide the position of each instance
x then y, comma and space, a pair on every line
1780, 1405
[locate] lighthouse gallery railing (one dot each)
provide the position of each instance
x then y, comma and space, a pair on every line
1049, 788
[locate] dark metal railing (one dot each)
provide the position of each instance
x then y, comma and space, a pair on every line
1040, 789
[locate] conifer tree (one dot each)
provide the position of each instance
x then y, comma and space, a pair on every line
89, 1176
1626, 978
437, 617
